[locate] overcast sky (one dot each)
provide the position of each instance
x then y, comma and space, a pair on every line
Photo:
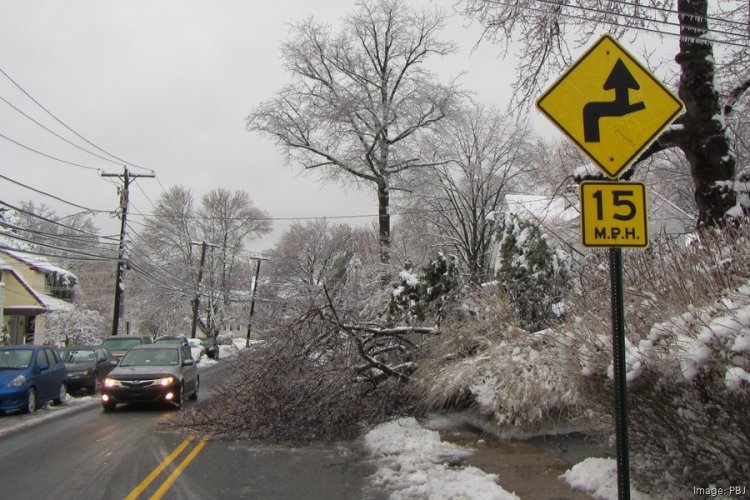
166, 85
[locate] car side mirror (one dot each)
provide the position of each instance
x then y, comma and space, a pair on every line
114, 363
188, 362
43, 367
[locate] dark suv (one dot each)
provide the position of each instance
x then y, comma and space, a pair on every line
118, 345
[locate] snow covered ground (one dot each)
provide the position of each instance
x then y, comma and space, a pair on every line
413, 463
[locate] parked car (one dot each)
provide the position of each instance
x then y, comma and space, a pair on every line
118, 345
86, 366
155, 373
30, 376
173, 339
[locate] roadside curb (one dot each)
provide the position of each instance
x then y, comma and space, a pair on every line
35, 420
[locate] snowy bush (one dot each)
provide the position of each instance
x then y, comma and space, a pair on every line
73, 326
687, 359
426, 295
510, 378
534, 273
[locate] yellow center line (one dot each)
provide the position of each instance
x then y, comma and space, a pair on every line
159, 468
176, 473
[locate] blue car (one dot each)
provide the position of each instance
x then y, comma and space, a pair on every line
30, 375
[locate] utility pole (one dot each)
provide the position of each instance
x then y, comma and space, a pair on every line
121, 264
197, 299
252, 299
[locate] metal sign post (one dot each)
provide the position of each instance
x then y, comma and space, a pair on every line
618, 356
611, 106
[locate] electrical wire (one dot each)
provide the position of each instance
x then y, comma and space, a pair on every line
82, 256
51, 221
675, 12
29, 148
58, 120
140, 188
54, 247
652, 20
620, 25
77, 240
56, 134
38, 191
312, 217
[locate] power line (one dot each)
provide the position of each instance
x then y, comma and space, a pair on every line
51, 221
38, 191
58, 120
627, 26
314, 217
675, 12
29, 148
75, 239
54, 256
54, 247
55, 133
657, 8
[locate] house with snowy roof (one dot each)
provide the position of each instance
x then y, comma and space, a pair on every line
30, 287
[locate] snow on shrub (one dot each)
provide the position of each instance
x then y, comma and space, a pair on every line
509, 377
427, 294
534, 273
73, 326
687, 360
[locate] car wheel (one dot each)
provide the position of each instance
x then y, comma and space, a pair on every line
177, 402
109, 406
194, 395
30, 401
62, 396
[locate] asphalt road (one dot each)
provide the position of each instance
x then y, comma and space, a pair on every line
80, 452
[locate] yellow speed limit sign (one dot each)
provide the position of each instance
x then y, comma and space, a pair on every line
613, 214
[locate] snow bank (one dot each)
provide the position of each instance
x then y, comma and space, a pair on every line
414, 463
598, 477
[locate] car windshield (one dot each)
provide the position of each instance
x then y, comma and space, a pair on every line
15, 359
120, 344
168, 340
150, 357
78, 355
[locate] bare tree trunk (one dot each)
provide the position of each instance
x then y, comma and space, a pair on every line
384, 222
705, 142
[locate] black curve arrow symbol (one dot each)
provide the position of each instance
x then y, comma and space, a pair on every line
620, 79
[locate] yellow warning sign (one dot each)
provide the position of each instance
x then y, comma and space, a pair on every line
610, 106
613, 214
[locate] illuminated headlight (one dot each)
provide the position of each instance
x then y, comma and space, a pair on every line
111, 382
17, 382
164, 381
